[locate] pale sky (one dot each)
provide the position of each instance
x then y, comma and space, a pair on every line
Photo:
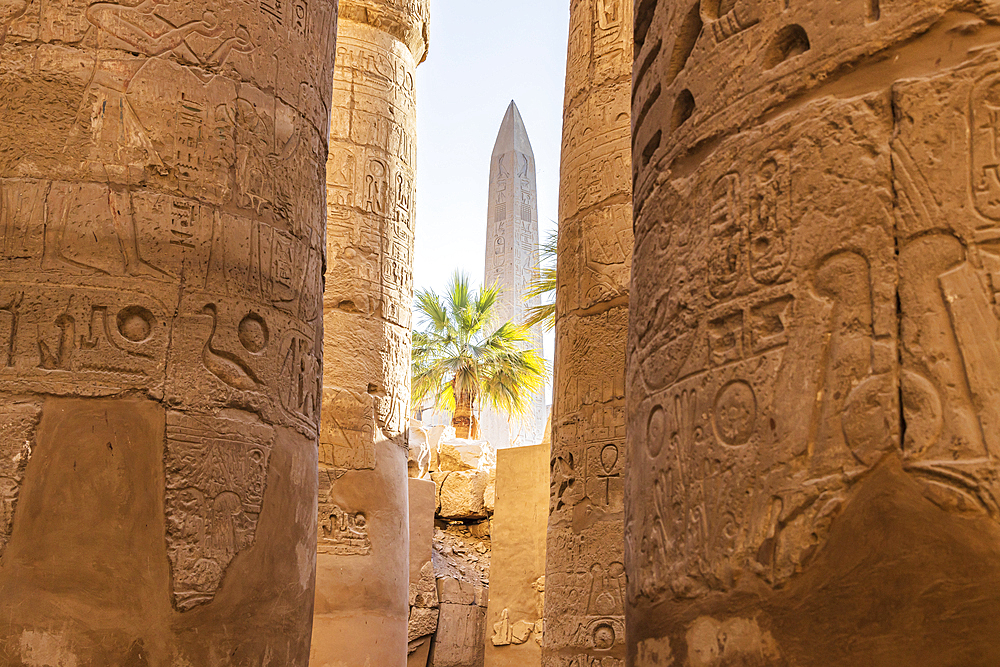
483, 54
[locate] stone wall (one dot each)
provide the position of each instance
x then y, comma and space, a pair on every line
517, 564
161, 229
584, 593
424, 608
812, 357
461, 625
367, 311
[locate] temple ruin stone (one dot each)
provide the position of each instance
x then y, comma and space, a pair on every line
517, 562
423, 585
585, 574
813, 355
361, 609
511, 263
161, 252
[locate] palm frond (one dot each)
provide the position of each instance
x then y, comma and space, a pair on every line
431, 309
459, 356
543, 314
514, 377
543, 286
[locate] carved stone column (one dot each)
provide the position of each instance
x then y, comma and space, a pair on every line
585, 575
813, 356
362, 583
161, 251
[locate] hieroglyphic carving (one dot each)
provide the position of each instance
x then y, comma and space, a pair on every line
343, 533
216, 476
849, 351
583, 558
985, 153
347, 435
590, 661
763, 46
53, 337
948, 276
231, 349
718, 395
511, 260
161, 246
370, 203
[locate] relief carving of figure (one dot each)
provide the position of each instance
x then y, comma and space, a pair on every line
142, 28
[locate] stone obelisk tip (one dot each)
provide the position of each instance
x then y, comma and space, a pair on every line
513, 136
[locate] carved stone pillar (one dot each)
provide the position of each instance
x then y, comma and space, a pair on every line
362, 584
585, 575
813, 357
161, 251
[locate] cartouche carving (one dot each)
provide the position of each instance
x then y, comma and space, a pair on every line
161, 257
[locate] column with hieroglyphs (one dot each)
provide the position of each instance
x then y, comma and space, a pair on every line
362, 576
511, 261
812, 360
161, 252
584, 592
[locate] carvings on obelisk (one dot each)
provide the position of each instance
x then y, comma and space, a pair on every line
161, 228
585, 572
813, 336
511, 263
362, 588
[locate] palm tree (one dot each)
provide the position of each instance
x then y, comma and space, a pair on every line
463, 362
544, 285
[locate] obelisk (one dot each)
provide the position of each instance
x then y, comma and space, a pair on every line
813, 365
362, 586
511, 260
161, 254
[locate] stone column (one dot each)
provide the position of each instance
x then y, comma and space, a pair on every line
362, 581
585, 575
813, 356
161, 252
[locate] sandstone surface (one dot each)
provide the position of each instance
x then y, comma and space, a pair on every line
517, 565
584, 595
161, 254
812, 357
362, 611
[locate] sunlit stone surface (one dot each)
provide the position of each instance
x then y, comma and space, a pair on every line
161, 255
362, 576
813, 356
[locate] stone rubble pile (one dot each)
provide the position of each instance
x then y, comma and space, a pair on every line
448, 604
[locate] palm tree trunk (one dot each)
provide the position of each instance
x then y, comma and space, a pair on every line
462, 420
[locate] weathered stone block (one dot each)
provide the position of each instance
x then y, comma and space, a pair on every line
459, 639
455, 591
459, 454
423, 622
462, 495
517, 564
